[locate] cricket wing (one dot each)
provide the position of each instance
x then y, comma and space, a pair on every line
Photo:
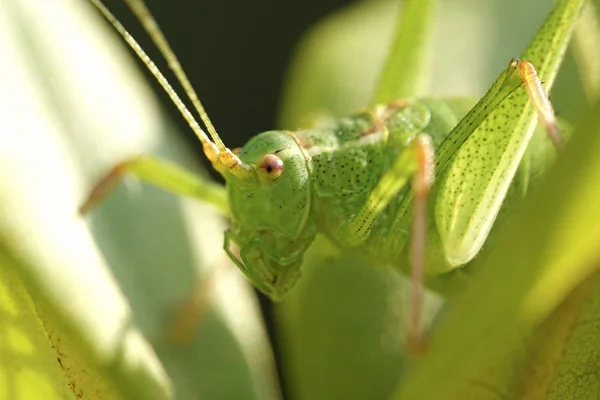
475, 174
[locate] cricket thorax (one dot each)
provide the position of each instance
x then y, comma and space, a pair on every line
347, 160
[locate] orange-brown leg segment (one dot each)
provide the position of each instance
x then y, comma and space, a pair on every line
164, 175
540, 101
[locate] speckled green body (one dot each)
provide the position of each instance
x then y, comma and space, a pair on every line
351, 180
347, 159
328, 175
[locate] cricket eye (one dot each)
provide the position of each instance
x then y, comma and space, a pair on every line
269, 167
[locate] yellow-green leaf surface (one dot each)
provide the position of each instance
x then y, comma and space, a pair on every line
576, 373
106, 288
29, 367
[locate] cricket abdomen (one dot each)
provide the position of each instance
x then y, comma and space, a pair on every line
347, 160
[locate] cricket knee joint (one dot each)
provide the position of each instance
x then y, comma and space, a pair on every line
540, 101
424, 175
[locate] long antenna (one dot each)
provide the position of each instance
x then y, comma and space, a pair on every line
149, 23
219, 155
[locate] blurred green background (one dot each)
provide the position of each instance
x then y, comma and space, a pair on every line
339, 334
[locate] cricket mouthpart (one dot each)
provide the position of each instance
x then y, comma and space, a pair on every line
266, 273
283, 280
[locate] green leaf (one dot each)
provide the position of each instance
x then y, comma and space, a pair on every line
575, 375
29, 369
344, 321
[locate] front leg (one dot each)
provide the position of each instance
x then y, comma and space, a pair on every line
164, 175
415, 162
187, 315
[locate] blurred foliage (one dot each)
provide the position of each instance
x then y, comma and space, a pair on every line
86, 308
107, 289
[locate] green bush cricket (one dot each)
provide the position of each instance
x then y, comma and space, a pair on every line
364, 181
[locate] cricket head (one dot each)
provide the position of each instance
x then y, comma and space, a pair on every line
270, 205
268, 181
